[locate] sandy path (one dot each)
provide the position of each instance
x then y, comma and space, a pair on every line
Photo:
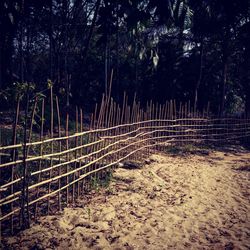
191, 202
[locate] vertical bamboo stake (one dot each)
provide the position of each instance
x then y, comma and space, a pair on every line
180, 123
124, 116
171, 117
94, 147
207, 122
166, 118
190, 119
75, 185
109, 158
187, 122
99, 124
0, 191
174, 109
14, 140
52, 144
141, 118
114, 130
153, 125
101, 146
145, 118
100, 112
163, 122
119, 129
81, 151
89, 168
245, 128
192, 122
24, 211
123, 108
133, 111
41, 153
31, 123
126, 121
136, 119
160, 124
67, 156
157, 125
60, 149
150, 124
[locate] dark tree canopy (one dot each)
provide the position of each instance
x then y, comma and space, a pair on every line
195, 50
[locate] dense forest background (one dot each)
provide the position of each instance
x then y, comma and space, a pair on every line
197, 50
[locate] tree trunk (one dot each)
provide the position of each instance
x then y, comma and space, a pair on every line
247, 103
197, 86
51, 42
1, 69
223, 85
223, 89
106, 67
225, 46
86, 48
116, 89
21, 44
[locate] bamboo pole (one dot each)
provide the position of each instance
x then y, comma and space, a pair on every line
142, 139
60, 149
24, 207
75, 190
14, 140
67, 156
100, 130
41, 153
31, 123
0, 191
81, 150
186, 112
52, 144
94, 148
99, 159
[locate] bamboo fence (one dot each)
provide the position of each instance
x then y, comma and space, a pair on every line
54, 166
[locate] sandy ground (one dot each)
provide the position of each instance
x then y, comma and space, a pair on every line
194, 201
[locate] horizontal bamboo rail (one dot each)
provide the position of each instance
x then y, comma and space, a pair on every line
61, 167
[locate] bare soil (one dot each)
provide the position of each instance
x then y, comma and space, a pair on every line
193, 201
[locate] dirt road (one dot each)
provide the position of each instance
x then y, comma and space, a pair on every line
173, 202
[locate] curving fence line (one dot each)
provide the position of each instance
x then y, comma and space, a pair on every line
45, 172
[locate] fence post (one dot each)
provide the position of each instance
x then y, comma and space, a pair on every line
25, 223
52, 144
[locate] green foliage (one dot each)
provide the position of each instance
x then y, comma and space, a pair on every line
153, 48
96, 182
16, 90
